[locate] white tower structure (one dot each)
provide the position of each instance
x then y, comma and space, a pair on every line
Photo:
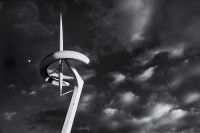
57, 77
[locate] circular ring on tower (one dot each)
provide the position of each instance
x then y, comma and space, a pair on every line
59, 55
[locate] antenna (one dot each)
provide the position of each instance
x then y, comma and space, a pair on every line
61, 61
56, 77
61, 33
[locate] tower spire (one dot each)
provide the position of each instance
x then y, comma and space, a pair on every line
61, 61
61, 33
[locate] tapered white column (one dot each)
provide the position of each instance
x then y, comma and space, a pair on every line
74, 101
61, 61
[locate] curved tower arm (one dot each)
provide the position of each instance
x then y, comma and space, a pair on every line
60, 55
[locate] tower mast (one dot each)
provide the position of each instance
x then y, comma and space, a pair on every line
61, 61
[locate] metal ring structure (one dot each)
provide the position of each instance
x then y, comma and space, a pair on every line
60, 55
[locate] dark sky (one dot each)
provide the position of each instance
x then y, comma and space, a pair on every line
143, 74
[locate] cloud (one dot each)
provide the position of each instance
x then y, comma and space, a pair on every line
179, 21
160, 37
145, 75
8, 115
123, 25
1, 5
114, 120
43, 86
117, 79
163, 96
109, 111
131, 113
155, 112
36, 28
164, 121
12, 86
127, 97
123, 100
86, 102
191, 97
160, 109
21, 13
174, 51
88, 74
24, 19
140, 13
36, 89
161, 117
170, 121
176, 33
49, 120
83, 107
52, 121
87, 128
87, 97
179, 113
30, 93
184, 71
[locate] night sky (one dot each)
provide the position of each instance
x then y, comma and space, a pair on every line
143, 75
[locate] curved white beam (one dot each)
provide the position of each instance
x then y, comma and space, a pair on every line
60, 55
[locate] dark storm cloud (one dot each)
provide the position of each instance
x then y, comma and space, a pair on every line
47, 120
179, 21
118, 25
22, 27
143, 75
25, 93
24, 19
176, 30
8, 115
1, 5
122, 25
152, 93
117, 78
171, 122
52, 120
21, 13
12, 86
